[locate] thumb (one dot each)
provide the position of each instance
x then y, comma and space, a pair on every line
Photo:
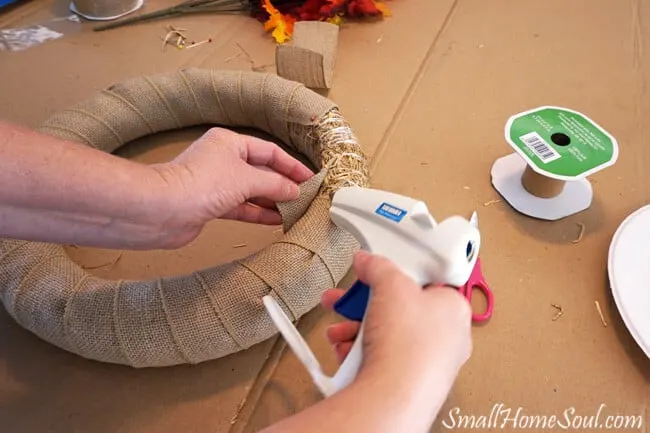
271, 185
380, 273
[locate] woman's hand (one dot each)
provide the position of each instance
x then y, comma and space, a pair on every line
415, 342
408, 329
227, 175
52, 190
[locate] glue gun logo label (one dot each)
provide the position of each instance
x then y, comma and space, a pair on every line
391, 212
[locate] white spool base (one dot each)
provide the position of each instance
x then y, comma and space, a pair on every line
506, 178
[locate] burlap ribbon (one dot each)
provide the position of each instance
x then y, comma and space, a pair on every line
213, 312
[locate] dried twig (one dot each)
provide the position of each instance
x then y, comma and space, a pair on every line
559, 313
196, 44
251, 61
491, 202
111, 263
582, 232
239, 245
600, 313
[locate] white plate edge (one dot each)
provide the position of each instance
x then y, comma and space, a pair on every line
615, 292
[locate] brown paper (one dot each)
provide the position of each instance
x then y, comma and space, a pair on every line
427, 91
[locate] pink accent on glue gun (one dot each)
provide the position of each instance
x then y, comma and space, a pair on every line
477, 281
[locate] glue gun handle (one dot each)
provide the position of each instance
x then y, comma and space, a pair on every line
352, 305
348, 371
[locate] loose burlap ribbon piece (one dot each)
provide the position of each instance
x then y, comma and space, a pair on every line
212, 312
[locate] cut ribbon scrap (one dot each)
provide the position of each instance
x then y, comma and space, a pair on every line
281, 19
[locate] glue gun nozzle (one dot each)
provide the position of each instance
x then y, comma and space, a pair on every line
474, 219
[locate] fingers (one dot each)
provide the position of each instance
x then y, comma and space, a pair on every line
269, 185
343, 332
342, 350
253, 214
264, 202
330, 297
379, 273
341, 336
265, 153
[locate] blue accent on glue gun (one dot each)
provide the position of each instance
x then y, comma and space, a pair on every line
352, 305
391, 212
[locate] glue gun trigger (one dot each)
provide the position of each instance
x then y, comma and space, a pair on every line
352, 305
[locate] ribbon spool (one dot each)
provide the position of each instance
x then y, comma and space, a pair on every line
555, 150
104, 10
540, 186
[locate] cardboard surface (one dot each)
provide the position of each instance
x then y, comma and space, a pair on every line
433, 126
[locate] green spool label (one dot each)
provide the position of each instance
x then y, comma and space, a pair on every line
561, 143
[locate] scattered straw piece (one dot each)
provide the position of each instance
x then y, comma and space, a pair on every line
559, 313
111, 263
197, 44
582, 232
277, 231
231, 58
179, 41
600, 313
491, 202
254, 68
239, 245
240, 407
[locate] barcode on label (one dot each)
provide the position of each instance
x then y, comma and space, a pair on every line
540, 147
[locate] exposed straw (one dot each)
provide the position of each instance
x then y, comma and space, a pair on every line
342, 155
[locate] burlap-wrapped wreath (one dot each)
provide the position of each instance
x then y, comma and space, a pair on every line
213, 312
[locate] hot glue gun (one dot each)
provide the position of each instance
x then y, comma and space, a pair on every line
402, 230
